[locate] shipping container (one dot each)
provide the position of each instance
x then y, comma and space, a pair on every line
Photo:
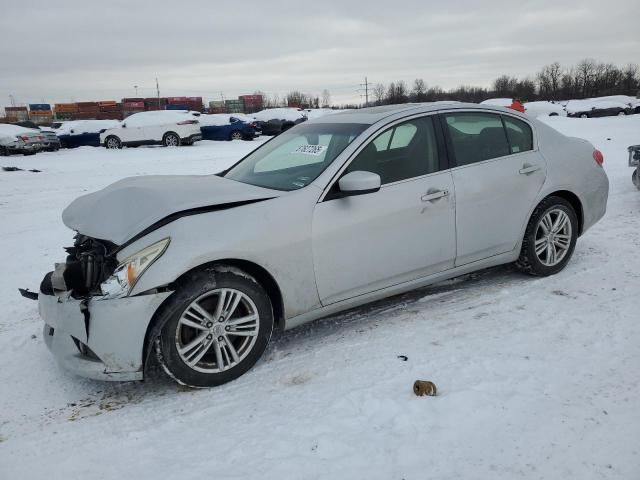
216, 104
106, 103
177, 100
109, 115
40, 106
66, 107
175, 106
15, 109
133, 105
136, 99
65, 115
111, 108
218, 109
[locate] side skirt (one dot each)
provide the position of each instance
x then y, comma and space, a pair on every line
400, 288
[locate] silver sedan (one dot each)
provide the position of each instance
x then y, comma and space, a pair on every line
334, 213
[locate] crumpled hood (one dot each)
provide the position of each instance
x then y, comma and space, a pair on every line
125, 208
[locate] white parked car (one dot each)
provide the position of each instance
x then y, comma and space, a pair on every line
162, 127
331, 214
545, 109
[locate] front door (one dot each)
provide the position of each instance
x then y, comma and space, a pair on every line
403, 232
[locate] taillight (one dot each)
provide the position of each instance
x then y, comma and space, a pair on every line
598, 157
24, 137
253, 125
188, 122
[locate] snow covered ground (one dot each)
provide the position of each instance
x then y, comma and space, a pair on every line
537, 378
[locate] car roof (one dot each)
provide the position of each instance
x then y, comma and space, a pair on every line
371, 115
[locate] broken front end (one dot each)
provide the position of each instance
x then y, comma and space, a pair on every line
92, 326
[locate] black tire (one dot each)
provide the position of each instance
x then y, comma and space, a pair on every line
171, 139
621, 113
584, 115
194, 287
635, 179
4, 152
236, 135
112, 142
529, 262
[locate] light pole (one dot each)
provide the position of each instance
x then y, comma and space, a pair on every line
136, 87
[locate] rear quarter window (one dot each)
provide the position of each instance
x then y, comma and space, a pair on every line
519, 134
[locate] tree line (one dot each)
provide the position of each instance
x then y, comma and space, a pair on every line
588, 78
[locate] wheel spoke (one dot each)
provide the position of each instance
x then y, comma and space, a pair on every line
560, 218
541, 248
218, 352
196, 311
562, 244
192, 324
192, 343
231, 304
242, 320
231, 349
199, 353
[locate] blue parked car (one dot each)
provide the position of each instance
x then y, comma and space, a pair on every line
82, 133
228, 127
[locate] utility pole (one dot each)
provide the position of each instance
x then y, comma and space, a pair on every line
13, 101
158, 92
136, 87
366, 91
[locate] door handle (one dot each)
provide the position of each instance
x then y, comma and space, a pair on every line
527, 169
434, 195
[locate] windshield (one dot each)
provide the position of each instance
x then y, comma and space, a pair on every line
296, 157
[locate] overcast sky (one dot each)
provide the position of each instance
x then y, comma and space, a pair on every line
56, 51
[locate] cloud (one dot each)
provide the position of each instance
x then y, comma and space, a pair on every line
58, 51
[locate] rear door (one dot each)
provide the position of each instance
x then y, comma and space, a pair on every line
402, 232
498, 174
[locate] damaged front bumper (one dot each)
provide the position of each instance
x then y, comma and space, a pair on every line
98, 338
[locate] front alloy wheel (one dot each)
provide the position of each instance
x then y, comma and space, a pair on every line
236, 135
113, 143
217, 331
219, 324
171, 140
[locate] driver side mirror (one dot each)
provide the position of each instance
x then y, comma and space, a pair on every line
359, 183
124, 125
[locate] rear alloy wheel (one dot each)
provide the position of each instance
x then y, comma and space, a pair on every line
220, 322
113, 142
4, 152
236, 135
622, 113
584, 115
171, 140
550, 238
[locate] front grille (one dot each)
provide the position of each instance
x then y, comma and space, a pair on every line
89, 263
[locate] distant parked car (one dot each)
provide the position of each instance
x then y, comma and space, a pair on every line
82, 133
50, 142
511, 103
545, 109
632, 103
228, 127
170, 128
16, 139
596, 108
274, 121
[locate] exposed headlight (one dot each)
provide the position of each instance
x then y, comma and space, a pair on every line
131, 269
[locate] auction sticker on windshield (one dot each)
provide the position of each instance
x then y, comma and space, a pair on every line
310, 149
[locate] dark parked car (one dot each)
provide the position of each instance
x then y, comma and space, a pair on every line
82, 133
274, 121
590, 108
228, 127
50, 141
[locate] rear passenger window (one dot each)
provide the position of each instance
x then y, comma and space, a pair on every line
476, 137
519, 134
404, 151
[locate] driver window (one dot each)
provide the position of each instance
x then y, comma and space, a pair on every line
406, 150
